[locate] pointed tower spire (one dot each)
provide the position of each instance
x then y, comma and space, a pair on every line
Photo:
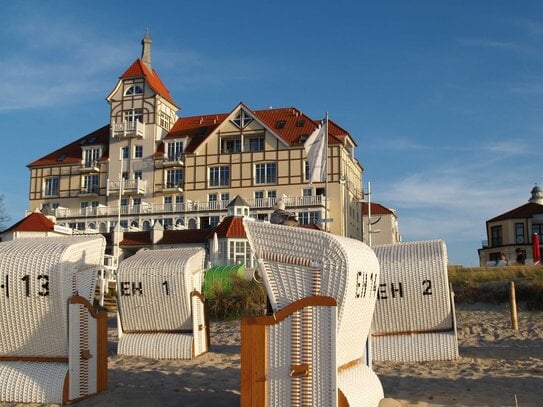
146, 49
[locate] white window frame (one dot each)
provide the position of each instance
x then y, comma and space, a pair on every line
242, 119
138, 151
257, 142
51, 186
135, 89
174, 178
133, 115
263, 175
91, 183
164, 120
219, 176
91, 155
174, 150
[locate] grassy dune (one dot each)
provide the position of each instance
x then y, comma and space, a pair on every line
481, 284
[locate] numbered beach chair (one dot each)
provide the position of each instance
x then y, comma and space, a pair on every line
311, 351
53, 343
160, 307
414, 320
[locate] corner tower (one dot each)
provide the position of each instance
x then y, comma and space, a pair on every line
142, 112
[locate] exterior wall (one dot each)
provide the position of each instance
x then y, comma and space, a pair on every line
384, 232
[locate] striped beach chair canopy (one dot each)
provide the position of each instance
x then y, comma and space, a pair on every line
297, 263
414, 319
160, 307
41, 334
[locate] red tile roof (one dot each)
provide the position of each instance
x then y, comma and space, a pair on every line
231, 226
138, 69
288, 123
35, 222
71, 153
197, 128
376, 209
136, 239
522, 212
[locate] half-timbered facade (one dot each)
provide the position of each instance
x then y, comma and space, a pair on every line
148, 165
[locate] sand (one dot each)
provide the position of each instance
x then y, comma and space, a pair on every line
496, 364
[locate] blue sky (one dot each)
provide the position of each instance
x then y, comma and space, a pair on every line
444, 98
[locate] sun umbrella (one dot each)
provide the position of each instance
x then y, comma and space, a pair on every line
537, 252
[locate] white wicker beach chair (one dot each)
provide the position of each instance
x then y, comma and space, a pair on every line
53, 344
322, 289
160, 307
414, 320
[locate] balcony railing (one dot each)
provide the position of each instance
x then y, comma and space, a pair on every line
172, 187
128, 129
173, 161
89, 191
89, 166
187, 207
129, 186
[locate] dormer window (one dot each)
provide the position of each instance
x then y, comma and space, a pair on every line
134, 90
242, 119
174, 150
91, 156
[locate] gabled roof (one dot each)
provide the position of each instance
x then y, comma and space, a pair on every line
376, 209
71, 153
290, 124
35, 222
138, 69
231, 226
522, 212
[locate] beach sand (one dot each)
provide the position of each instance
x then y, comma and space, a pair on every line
495, 364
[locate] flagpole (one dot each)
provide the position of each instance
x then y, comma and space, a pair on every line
327, 227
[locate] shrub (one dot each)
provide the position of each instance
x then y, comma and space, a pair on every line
245, 298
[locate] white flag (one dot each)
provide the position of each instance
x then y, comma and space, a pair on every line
315, 149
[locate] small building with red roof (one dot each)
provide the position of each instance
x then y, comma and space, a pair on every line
381, 223
514, 230
34, 224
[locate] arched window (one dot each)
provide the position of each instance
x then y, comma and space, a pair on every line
146, 225
134, 90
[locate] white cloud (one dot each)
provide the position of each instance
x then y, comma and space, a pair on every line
504, 45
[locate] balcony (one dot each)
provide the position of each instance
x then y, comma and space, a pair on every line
171, 187
89, 166
188, 207
128, 129
92, 190
173, 161
128, 186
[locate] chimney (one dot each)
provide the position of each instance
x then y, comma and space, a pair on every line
146, 50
